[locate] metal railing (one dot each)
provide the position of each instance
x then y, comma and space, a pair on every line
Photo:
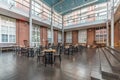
85, 19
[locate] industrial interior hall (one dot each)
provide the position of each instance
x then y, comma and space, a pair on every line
59, 39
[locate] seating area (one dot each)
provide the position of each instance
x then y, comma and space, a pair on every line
48, 53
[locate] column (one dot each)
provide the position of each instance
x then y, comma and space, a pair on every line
112, 24
30, 24
107, 27
52, 35
62, 31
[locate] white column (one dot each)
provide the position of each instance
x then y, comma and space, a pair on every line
52, 35
62, 31
112, 24
107, 27
30, 24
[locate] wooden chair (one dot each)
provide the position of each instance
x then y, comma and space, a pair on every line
26, 43
31, 52
40, 55
24, 51
48, 58
57, 55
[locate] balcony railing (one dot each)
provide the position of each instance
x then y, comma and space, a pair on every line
88, 18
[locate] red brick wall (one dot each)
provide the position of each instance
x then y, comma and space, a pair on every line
43, 36
55, 37
74, 37
22, 32
90, 36
116, 33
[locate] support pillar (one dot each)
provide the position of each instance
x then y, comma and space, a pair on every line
30, 24
107, 27
62, 32
52, 35
112, 24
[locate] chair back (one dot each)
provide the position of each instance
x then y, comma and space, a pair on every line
31, 50
58, 51
48, 57
26, 43
38, 51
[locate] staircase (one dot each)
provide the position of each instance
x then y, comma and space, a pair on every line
106, 65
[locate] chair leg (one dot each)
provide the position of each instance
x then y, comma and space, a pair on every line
45, 62
60, 58
54, 59
38, 59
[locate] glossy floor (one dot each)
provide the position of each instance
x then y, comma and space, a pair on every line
17, 67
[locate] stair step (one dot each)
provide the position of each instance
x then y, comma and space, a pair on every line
95, 72
107, 72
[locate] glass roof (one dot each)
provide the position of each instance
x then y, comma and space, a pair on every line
65, 6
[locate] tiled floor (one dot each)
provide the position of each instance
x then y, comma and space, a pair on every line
16, 67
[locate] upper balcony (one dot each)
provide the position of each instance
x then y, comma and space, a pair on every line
90, 16
41, 14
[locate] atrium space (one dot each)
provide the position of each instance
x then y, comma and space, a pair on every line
59, 39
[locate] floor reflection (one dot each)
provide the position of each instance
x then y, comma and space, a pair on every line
16, 67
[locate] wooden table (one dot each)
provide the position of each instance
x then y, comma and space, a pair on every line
67, 46
51, 57
49, 50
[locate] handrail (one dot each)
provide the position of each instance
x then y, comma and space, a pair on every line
88, 14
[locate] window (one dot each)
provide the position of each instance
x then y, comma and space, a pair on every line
8, 1
82, 36
49, 36
4, 37
11, 38
100, 35
68, 37
36, 35
36, 8
7, 30
59, 37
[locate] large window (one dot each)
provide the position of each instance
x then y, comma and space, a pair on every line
100, 35
7, 30
22, 4
49, 35
36, 35
57, 19
68, 37
82, 36
59, 37
8, 1
36, 8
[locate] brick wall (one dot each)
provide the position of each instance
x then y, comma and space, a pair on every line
116, 34
74, 37
43, 36
22, 32
90, 36
55, 37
